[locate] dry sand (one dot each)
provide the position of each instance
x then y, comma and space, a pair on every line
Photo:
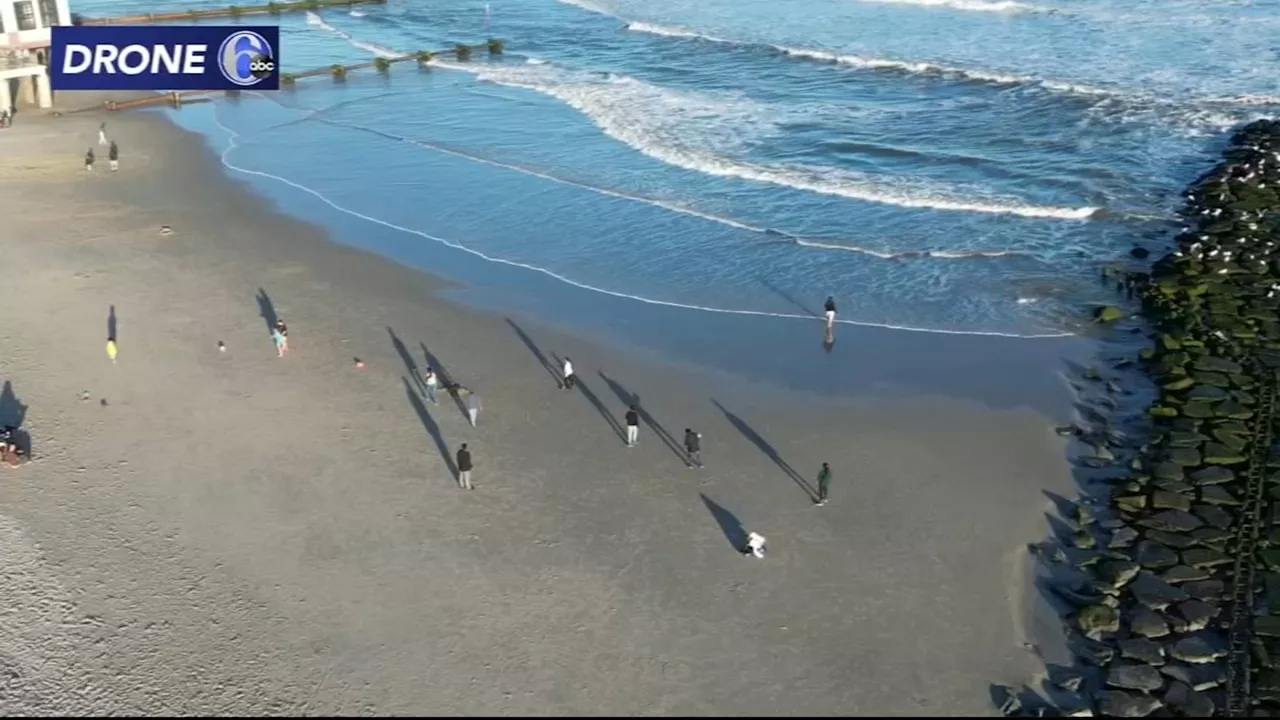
236, 533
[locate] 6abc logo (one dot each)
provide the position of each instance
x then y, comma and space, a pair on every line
246, 58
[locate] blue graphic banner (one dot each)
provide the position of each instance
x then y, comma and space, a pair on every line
152, 57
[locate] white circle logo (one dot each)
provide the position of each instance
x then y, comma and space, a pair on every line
245, 58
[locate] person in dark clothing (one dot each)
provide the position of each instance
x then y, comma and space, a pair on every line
464, 467
633, 426
829, 309
693, 447
88, 160
824, 481
113, 156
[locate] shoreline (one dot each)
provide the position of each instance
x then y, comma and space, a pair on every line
304, 503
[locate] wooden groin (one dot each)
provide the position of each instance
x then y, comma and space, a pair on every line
338, 72
272, 8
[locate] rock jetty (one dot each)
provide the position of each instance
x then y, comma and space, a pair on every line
1171, 578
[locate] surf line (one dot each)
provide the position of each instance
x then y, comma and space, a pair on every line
233, 136
782, 235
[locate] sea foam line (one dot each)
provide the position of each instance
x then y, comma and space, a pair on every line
233, 136
673, 207
625, 129
376, 50
999, 6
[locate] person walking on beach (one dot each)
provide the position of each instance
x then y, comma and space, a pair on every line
829, 308
464, 467
102, 134
280, 333
568, 374
432, 382
473, 403
113, 156
633, 426
824, 482
693, 447
4, 118
111, 349
88, 160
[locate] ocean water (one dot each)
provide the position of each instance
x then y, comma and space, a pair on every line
959, 166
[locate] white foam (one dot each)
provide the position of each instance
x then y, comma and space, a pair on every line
371, 48
356, 13
231, 146
696, 132
781, 235
665, 31
999, 6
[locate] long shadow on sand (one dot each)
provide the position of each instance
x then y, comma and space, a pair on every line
629, 398
767, 449
431, 427
537, 353
267, 309
410, 365
111, 324
729, 523
595, 402
787, 296
447, 381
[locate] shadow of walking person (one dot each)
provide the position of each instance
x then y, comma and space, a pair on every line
410, 365
429, 424
768, 450
537, 353
729, 523
446, 379
267, 309
630, 398
599, 406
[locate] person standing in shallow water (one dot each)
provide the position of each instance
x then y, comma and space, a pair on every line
633, 426
113, 156
693, 447
568, 374
829, 309
464, 467
824, 482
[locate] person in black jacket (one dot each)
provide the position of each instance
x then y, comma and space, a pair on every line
829, 309
633, 426
464, 467
693, 447
113, 156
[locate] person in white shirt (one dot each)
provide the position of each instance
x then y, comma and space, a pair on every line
102, 134
432, 383
568, 374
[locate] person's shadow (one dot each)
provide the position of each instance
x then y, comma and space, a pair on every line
537, 353
729, 523
429, 424
410, 365
111, 324
267, 309
629, 398
447, 383
828, 338
595, 402
767, 449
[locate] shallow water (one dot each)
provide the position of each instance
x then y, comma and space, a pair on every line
934, 164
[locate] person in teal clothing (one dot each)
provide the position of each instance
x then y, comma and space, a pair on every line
824, 481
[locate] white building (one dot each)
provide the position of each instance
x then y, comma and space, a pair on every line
24, 49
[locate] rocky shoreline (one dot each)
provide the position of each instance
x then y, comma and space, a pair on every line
1169, 577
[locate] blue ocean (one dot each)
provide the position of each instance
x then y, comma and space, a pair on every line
957, 166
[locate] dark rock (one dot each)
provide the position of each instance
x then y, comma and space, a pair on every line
1153, 555
1066, 678
1175, 486
1183, 573
1172, 521
1267, 626
1199, 677
1134, 677
1131, 503
1208, 393
1097, 620
1185, 438
1197, 613
1122, 538
1121, 703
1142, 650
1147, 623
1188, 457
1231, 440
1139, 253
1175, 540
1118, 572
1215, 516
1212, 475
1211, 535
1234, 410
1204, 558
1163, 500
1155, 593
1210, 378
1217, 364
1187, 702
1195, 649
1217, 495
1110, 313
1205, 589
1218, 454
1168, 471
1197, 409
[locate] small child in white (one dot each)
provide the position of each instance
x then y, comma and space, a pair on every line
755, 545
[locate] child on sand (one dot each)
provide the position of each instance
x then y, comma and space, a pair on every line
755, 545
280, 333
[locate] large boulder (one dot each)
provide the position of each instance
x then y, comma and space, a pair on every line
1132, 676
1098, 620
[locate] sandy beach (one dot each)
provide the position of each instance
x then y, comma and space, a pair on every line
236, 533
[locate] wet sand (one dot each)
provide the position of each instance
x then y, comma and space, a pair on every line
230, 532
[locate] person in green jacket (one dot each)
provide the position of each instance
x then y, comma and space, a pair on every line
824, 481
